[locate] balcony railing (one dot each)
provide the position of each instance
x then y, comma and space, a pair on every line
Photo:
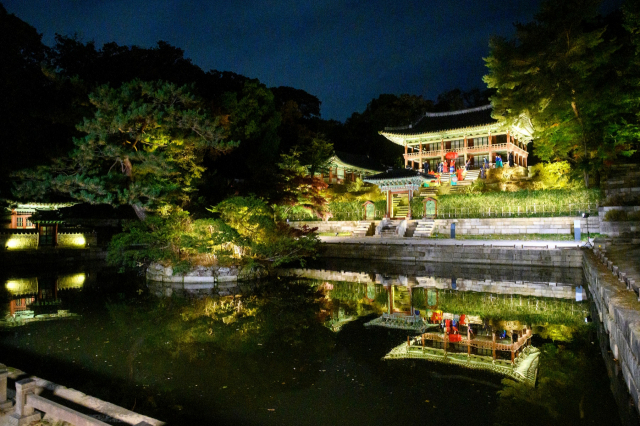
469, 150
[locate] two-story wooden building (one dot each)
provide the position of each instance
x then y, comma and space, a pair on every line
472, 133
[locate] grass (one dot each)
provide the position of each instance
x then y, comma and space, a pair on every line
520, 237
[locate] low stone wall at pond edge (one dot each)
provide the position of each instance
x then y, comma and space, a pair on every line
200, 277
331, 225
620, 315
524, 225
399, 251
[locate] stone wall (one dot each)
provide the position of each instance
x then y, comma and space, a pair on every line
76, 239
203, 278
529, 225
24, 240
399, 251
525, 225
623, 182
331, 226
618, 311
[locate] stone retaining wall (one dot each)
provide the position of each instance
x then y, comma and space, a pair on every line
399, 251
331, 226
619, 313
528, 225
524, 225
200, 277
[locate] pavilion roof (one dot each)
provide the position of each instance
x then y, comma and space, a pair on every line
399, 177
437, 122
356, 162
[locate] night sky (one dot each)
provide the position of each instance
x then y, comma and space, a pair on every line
344, 52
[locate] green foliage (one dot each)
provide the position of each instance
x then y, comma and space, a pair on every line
556, 77
262, 238
316, 155
621, 216
171, 237
554, 202
554, 175
143, 148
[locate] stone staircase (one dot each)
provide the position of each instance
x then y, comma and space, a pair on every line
411, 228
469, 178
363, 228
389, 229
428, 192
424, 228
398, 210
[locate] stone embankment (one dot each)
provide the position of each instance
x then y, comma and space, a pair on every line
221, 280
511, 226
419, 251
619, 311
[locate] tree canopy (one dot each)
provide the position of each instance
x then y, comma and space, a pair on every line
562, 73
143, 148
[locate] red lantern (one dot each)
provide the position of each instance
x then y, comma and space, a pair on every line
451, 155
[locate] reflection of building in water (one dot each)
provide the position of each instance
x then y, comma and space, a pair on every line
34, 299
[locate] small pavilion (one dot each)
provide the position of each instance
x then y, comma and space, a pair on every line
399, 187
345, 167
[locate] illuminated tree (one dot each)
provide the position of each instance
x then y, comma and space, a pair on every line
558, 71
143, 148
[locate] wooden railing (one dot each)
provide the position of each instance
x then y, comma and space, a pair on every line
473, 149
29, 406
480, 344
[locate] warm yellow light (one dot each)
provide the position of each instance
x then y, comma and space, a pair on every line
79, 241
15, 243
71, 281
22, 285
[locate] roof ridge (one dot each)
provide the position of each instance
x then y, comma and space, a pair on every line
460, 111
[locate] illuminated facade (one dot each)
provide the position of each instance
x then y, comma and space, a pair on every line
472, 133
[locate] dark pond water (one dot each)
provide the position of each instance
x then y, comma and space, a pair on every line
296, 351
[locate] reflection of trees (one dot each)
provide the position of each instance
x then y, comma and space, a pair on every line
276, 313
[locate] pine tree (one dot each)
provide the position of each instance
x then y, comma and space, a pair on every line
143, 148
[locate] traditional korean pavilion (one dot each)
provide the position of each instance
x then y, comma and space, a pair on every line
399, 186
345, 167
472, 133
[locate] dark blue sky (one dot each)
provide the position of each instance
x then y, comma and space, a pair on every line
344, 52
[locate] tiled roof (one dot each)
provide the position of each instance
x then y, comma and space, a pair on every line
398, 174
442, 121
359, 161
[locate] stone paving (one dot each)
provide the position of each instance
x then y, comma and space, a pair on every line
627, 258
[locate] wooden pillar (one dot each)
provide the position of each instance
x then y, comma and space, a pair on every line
330, 174
389, 205
512, 345
413, 165
409, 198
493, 344
469, 340
420, 156
408, 341
446, 338
423, 340
406, 152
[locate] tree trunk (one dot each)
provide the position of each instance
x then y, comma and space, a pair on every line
576, 112
140, 212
